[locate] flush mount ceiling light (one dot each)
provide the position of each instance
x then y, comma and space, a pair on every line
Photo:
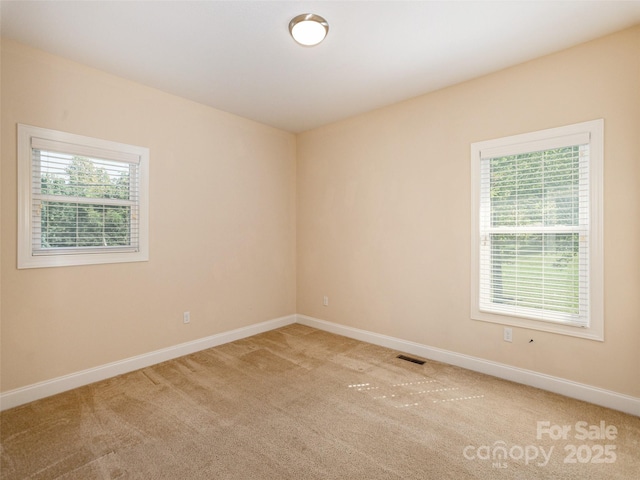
308, 29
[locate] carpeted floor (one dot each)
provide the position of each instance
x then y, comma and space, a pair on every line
299, 403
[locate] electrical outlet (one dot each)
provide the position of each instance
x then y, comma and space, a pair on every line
186, 317
508, 334
325, 301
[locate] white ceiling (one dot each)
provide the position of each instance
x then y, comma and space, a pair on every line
238, 56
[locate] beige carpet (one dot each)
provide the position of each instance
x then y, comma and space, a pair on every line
299, 403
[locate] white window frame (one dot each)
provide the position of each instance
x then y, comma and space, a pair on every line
531, 142
97, 148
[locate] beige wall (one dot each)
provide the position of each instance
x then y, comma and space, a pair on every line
384, 211
222, 224
382, 215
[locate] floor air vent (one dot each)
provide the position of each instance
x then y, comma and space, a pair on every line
410, 359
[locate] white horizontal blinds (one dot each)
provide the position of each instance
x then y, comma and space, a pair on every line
85, 199
534, 225
83, 150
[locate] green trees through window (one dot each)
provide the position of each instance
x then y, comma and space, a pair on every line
84, 202
534, 229
81, 200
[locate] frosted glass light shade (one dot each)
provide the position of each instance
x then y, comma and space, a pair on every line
308, 29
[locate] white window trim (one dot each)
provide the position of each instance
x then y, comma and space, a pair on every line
595, 329
26, 258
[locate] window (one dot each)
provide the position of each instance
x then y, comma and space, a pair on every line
537, 230
81, 200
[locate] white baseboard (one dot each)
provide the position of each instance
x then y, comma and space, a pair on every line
587, 393
598, 396
20, 396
